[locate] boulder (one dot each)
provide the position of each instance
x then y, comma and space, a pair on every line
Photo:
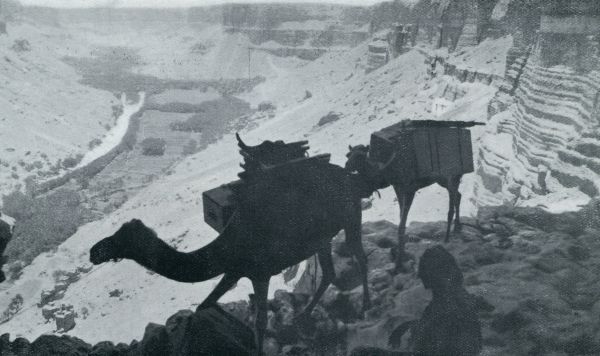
4, 344
212, 332
295, 350
329, 118
176, 326
281, 321
65, 319
375, 351
105, 348
155, 341
511, 321
49, 310
21, 346
343, 305
51, 345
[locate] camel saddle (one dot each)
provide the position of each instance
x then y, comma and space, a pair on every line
267, 158
412, 150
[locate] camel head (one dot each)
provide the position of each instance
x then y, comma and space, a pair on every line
357, 158
122, 244
359, 161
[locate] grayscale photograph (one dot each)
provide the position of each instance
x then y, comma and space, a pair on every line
299, 177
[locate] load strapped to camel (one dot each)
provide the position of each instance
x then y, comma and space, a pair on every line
411, 150
267, 158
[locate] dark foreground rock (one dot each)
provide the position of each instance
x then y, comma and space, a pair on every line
529, 276
207, 332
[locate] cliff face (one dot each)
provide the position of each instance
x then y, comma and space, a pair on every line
546, 115
293, 25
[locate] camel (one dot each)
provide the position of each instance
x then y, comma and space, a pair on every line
358, 161
284, 216
6, 233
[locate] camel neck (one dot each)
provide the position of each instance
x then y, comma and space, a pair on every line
190, 267
365, 185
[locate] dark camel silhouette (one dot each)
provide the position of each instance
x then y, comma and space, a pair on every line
358, 161
284, 216
6, 232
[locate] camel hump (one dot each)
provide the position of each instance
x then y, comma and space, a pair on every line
266, 162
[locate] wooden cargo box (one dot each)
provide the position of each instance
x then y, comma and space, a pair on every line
219, 205
423, 151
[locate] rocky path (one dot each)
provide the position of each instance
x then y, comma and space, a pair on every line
531, 274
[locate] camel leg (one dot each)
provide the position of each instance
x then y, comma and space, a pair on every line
354, 242
223, 287
328, 275
451, 205
405, 199
261, 290
457, 225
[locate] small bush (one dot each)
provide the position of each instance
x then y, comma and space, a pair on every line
190, 147
153, 146
117, 110
266, 106
21, 46
201, 48
16, 270
71, 162
94, 143
13, 308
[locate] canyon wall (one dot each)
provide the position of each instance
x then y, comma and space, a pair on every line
546, 115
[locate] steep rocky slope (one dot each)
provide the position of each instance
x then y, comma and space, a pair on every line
45, 114
530, 273
550, 132
546, 115
172, 204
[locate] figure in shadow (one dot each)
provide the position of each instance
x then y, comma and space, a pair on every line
449, 325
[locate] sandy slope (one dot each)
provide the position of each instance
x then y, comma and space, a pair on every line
41, 93
172, 204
